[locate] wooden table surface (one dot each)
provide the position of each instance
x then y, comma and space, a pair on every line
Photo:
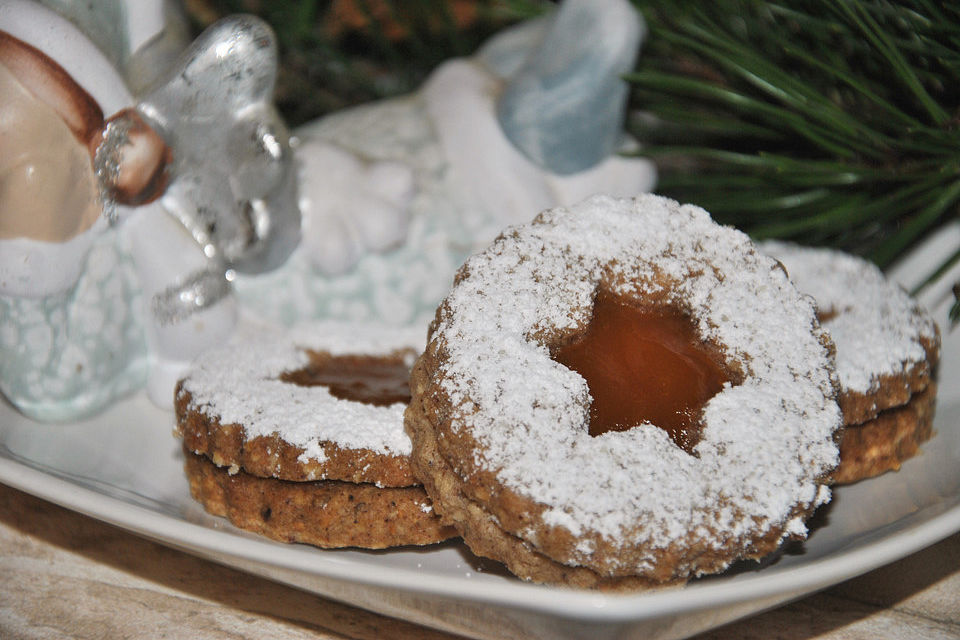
64, 575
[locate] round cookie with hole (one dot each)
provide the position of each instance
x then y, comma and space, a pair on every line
298, 435
624, 394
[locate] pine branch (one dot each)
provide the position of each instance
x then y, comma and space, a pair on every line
824, 122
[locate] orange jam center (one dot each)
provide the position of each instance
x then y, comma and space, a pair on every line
379, 381
644, 366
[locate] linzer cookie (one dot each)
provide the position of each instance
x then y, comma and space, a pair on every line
887, 346
298, 435
624, 394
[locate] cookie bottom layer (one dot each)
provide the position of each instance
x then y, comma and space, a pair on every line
328, 514
884, 443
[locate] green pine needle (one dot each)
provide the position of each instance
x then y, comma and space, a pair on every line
824, 122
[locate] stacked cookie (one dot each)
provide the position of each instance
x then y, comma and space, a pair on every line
299, 436
887, 348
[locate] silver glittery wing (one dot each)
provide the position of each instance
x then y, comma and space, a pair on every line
234, 184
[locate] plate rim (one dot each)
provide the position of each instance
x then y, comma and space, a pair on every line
589, 606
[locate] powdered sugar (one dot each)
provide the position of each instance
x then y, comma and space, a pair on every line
877, 327
767, 441
239, 383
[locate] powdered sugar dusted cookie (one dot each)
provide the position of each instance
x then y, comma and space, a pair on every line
716, 444
887, 349
280, 424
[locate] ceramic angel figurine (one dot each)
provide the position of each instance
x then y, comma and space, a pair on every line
120, 219
170, 216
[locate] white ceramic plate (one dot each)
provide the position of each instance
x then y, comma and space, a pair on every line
124, 467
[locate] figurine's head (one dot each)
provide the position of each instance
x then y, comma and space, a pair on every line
55, 176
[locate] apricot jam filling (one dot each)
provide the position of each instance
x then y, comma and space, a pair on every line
374, 380
644, 365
